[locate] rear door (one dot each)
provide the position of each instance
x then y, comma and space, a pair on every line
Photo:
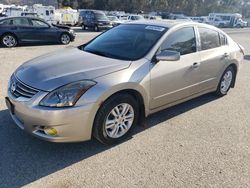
24, 29
214, 56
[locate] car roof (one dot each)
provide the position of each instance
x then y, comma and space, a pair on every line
14, 17
172, 23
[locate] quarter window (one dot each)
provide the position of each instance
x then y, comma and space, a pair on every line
182, 40
209, 38
223, 40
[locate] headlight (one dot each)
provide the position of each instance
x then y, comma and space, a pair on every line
68, 95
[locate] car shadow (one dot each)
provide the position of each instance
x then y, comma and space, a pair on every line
247, 57
25, 159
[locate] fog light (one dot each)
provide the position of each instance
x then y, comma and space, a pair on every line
50, 131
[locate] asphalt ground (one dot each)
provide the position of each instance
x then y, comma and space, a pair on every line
204, 142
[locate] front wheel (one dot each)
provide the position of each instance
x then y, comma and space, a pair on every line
115, 119
65, 39
9, 41
226, 82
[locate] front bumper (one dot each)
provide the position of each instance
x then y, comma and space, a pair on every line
72, 124
72, 36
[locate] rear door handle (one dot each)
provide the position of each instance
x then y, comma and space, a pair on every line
195, 65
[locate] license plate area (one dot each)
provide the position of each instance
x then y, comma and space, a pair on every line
10, 106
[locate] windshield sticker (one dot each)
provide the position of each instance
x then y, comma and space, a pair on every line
155, 28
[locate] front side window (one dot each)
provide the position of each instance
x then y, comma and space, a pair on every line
209, 38
21, 22
38, 23
182, 40
126, 42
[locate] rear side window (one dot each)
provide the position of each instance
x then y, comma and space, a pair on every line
223, 40
182, 40
6, 22
21, 22
209, 38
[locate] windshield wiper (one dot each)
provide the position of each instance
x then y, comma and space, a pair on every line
105, 54
97, 53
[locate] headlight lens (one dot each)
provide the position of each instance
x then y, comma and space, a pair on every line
68, 95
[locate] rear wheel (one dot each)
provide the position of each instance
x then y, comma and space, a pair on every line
115, 119
226, 82
96, 28
65, 39
9, 40
83, 27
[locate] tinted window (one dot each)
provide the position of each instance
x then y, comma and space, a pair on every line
126, 42
209, 38
38, 23
21, 22
6, 22
101, 16
47, 13
223, 40
182, 40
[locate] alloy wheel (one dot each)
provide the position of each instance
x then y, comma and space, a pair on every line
226, 81
9, 41
119, 120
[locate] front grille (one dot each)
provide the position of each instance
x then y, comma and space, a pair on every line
19, 89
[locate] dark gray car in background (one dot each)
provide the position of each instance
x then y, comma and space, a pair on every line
19, 30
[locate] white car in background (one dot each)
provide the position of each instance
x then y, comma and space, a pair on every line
135, 18
115, 21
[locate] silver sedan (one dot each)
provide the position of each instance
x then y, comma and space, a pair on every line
106, 87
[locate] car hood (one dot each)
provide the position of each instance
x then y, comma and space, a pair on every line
59, 68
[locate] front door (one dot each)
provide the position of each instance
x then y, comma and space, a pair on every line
175, 80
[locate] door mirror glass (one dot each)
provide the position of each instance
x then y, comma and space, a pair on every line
168, 55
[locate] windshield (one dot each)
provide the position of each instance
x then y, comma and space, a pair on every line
138, 17
101, 16
113, 18
126, 42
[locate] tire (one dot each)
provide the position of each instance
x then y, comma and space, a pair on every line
65, 38
96, 28
109, 130
226, 82
9, 40
83, 27
238, 26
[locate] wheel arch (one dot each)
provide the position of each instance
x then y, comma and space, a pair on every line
9, 33
234, 66
135, 94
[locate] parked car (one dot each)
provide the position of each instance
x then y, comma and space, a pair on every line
115, 21
94, 19
106, 87
18, 30
135, 18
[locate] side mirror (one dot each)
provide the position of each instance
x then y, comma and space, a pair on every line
167, 55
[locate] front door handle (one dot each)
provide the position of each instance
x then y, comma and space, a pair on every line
196, 65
